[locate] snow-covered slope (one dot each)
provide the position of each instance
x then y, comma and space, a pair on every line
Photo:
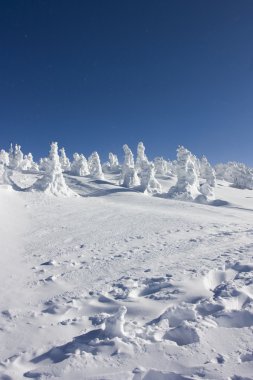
114, 284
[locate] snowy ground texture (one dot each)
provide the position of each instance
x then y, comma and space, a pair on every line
116, 285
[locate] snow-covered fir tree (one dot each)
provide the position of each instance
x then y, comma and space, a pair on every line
207, 172
129, 177
43, 164
79, 165
53, 181
111, 166
29, 164
34, 165
128, 156
243, 177
149, 184
114, 162
65, 163
238, 174
4, 157
2, 169
11, 154
25, 164
95, 166
163, 167
187, 186
141, 156
16, 157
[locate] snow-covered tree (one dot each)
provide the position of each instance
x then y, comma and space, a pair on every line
43, 164
160, 165
65, 163
79, 165
112, 166
53, 181
237, 173
128, 156
149, 184
220, 170
197, 165
173, 166
25, 164
4, 157
11, 154
226, 171
34, 165
29, 164
187, 186
15, 157
95, 166
2, 169
243, 177
113, 159
207, 172
129, 177
141, 156
163, 167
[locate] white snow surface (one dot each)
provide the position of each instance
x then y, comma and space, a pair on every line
116, 285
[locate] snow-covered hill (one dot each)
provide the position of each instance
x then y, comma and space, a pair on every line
114, 284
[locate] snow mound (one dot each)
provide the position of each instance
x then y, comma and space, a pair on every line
114, 325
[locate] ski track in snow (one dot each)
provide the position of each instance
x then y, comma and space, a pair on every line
183, 271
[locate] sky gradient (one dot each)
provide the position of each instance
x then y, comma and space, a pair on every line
96, 74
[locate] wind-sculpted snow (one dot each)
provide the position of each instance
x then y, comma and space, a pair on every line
116, 285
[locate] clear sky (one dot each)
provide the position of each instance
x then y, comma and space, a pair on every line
95, 74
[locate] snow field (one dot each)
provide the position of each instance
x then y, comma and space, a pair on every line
115, 285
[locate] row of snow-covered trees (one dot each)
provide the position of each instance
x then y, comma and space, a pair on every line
196, 178
15, 159
237, 173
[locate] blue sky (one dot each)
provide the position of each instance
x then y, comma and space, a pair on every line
96, 74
